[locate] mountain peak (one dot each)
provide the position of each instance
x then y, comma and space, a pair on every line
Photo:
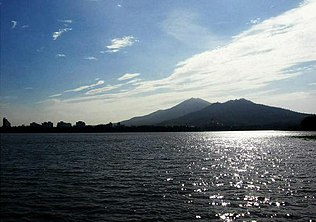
190, 105
233, 114
195, 100
241, 100
240, 113
181, 109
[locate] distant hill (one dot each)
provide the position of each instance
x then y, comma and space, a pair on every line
239, 114
183, 108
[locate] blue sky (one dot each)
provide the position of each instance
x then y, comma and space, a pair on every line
109, 60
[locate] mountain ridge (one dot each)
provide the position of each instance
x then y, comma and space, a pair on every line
181, 109
239, 113
232, 114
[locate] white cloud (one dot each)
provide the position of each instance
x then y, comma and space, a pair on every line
14, 23
128, 76
55, 95
113, 50
100, 82
57, 34
49, 101
251, 61
247, 66
103, 89
255, 21
25, 26
136, 81
65, 21
60, 55
299, 101
119, 43
28, 88
90, 58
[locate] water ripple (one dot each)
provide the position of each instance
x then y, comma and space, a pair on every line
223, 176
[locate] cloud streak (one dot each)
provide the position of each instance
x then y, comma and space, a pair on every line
57, 34
251, 61
60, 55
14, 23
68, 21
119, 43
183, 26
269, 52
255, 21
100, 82
55, 95
103, 89
128, 76
90, 58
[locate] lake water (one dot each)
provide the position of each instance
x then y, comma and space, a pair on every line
211, 176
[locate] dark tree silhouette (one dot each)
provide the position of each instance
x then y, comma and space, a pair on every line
6, 123
309, 123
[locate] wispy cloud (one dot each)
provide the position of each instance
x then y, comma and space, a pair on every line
90, 58
25, 26
250, 64
255, 21
57, 34
118, 43
103, 89
100, 82
65, 21
28, 88
49, 101
136, 81
128, 76
55, 95
231, 68
60, 55
251, 61
14, 23
183, 26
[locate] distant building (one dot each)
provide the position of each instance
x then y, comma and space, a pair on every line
34, 124
6, 123
47, 124
62, 124
80, 124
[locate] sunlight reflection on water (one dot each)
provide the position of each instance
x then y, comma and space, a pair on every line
255, 165
223, 176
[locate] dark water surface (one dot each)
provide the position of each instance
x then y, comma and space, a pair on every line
211, 176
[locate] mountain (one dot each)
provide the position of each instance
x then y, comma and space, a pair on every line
183, 108
239, 114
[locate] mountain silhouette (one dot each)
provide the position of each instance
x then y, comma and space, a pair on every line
183, 108
239, 114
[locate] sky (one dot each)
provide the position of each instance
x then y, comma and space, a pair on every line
110, 60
